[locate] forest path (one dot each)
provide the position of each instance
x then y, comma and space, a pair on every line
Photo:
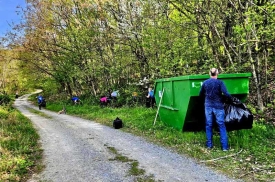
77, 150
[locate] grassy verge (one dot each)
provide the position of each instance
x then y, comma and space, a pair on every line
39, 113
250, 158
19, 148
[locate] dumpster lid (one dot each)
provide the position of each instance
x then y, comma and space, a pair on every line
199, 77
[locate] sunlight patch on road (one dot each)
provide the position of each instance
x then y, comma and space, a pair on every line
96, 126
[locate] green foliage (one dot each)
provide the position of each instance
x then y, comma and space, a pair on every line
18, 146
73, 48
4, 99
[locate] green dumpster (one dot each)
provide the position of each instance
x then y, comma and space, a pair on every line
182, 108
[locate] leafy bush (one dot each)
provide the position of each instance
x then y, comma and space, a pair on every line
19, 146
4, 99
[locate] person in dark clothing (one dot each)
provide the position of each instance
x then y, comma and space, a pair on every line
40, 100
212, 90
151, 101
16, 95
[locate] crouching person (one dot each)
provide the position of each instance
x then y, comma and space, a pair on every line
103, 101
75, 100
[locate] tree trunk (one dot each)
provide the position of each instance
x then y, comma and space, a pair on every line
257, 83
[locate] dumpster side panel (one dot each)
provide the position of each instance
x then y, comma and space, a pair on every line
195, 86
182, 98
174, 102
238, 87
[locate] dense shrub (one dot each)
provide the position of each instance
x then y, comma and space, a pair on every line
4, 99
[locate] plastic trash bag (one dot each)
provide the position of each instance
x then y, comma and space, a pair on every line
237, 115
43, 103
117, 123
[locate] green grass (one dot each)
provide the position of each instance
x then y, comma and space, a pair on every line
134, 169
251, 154
39, 113
19, 148
118, 157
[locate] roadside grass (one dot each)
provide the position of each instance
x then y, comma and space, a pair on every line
39, 113
19, 148
251, 154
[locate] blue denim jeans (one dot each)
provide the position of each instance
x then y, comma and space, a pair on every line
218, 115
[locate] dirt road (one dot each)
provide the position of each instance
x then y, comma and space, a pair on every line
77, 150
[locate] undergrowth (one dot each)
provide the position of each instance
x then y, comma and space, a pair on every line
19, 148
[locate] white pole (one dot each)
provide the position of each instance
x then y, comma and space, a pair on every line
159, 106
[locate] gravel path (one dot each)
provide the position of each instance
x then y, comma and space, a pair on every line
76, 149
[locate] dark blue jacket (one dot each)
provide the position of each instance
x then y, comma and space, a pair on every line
39, 99
75, 99
213, 90
151, 93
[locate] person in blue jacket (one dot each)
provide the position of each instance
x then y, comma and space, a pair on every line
75, 100
40, 101
212, 90
151, 101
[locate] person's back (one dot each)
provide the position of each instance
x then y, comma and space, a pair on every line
151, 94
213, 92
114, 94
40, 101
75, 100
103, 99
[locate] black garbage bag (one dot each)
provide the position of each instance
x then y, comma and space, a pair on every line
117, 123
237, 115
43, 103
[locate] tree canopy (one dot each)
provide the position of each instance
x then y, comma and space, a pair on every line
87, 47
